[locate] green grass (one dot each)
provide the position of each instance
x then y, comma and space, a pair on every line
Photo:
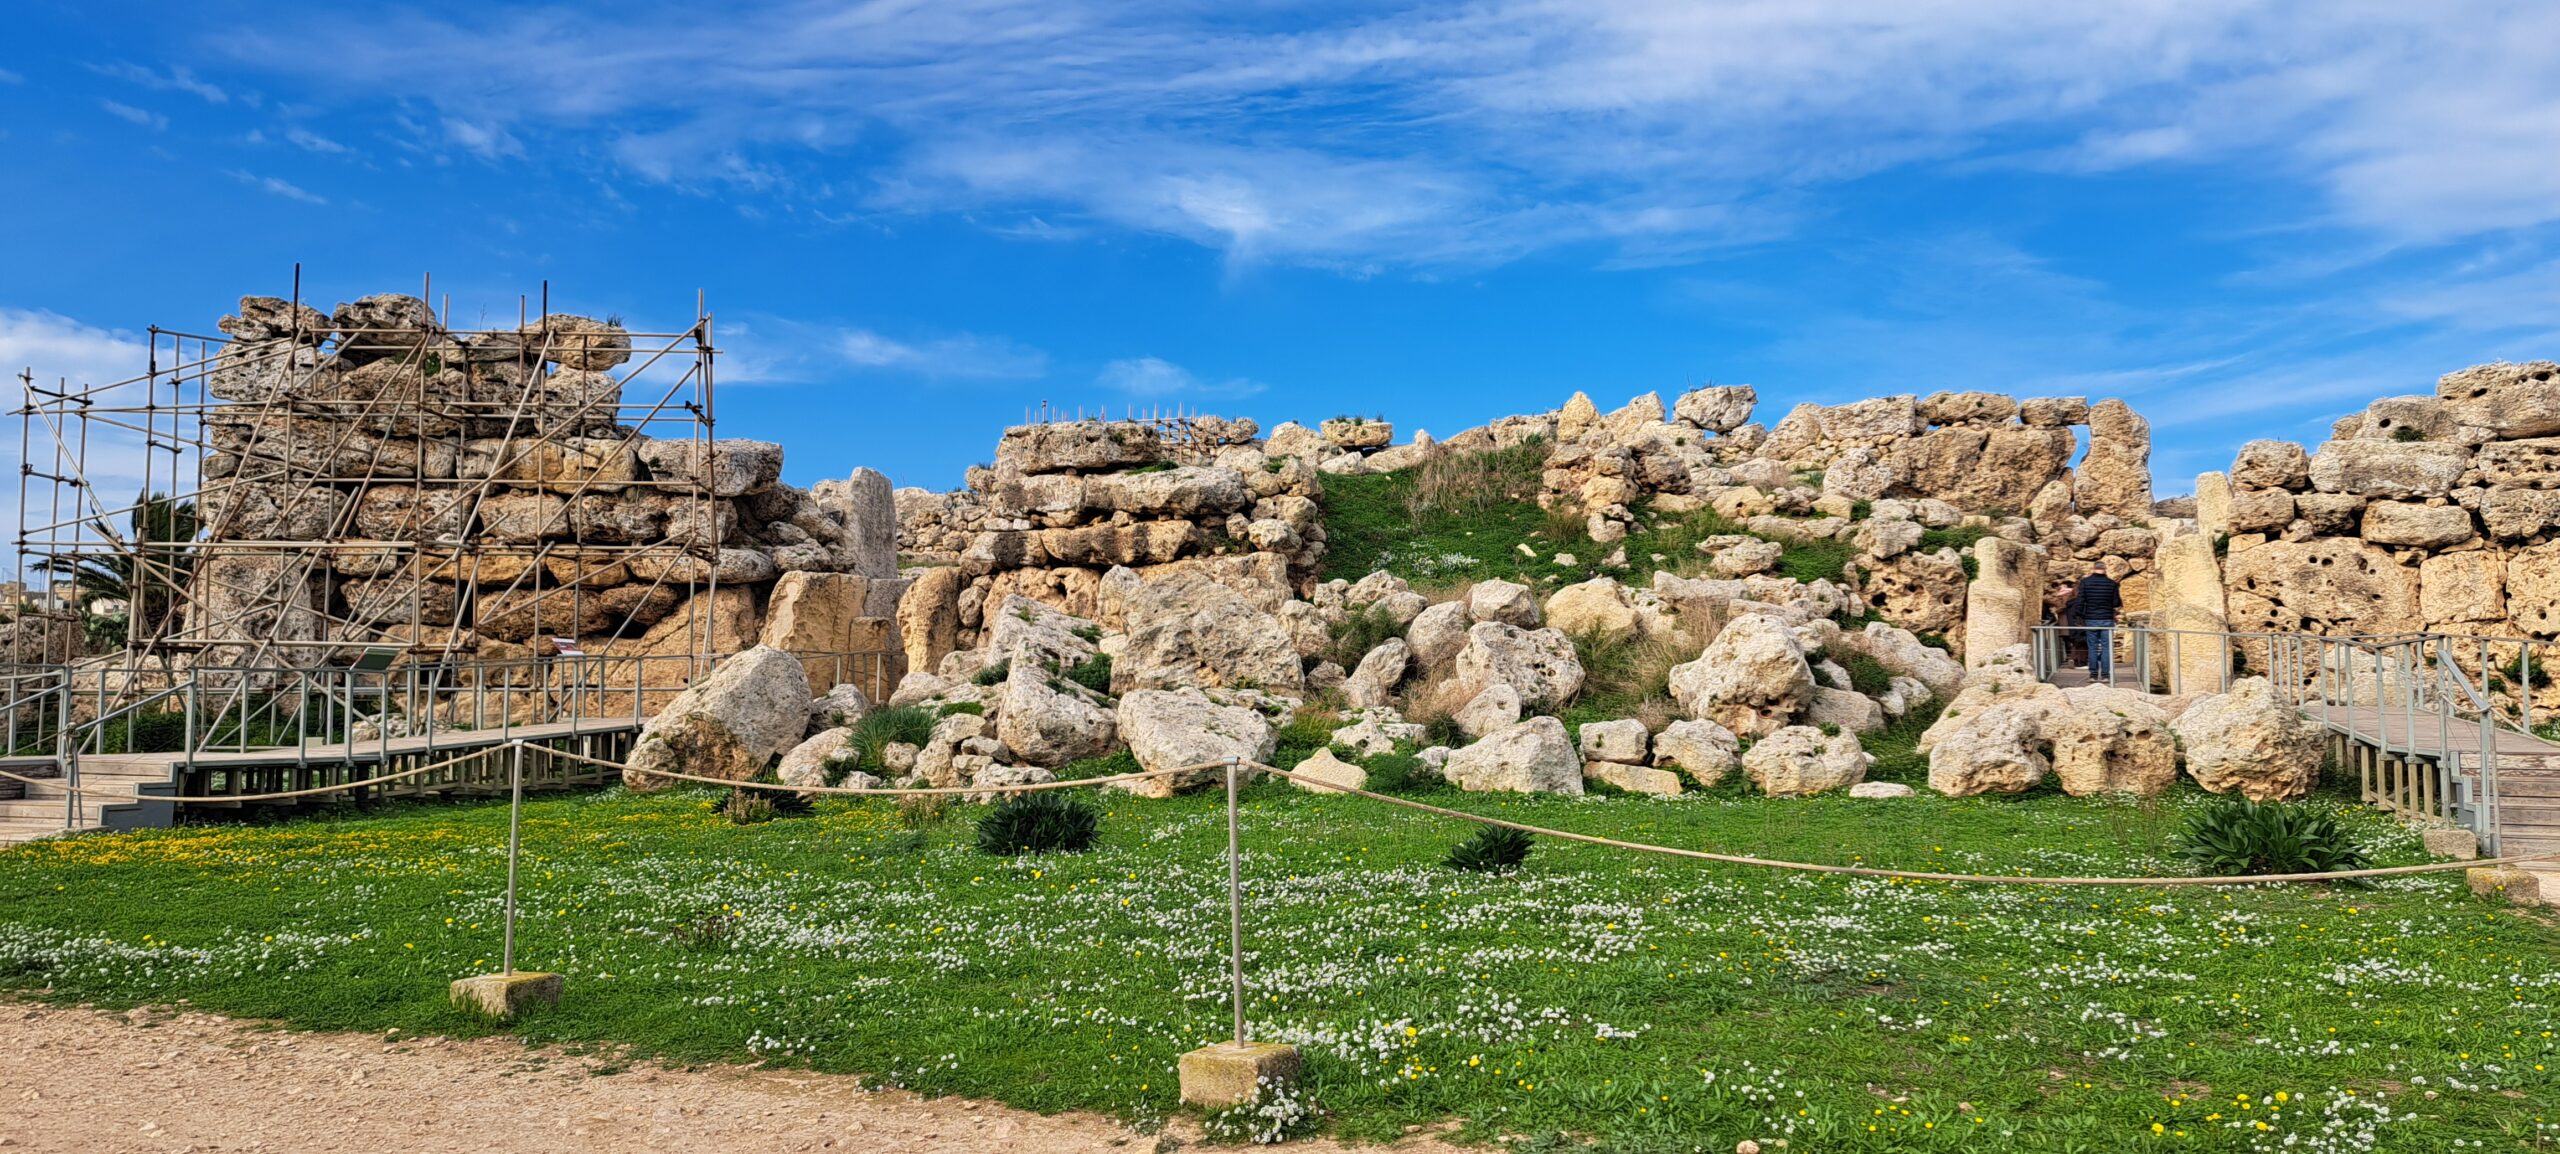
1639, 1003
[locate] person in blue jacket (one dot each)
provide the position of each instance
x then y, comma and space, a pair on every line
2100, 601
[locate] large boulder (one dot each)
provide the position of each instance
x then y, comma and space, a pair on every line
1539, 663
819, 759
2271, 465
2100, 751
1508, 602
2395, 469
1188, 629
1182, 728
2115, 475
1997, 748
1798, 760
1598, 607
1623, 740
1437, 634
752, 709
2509, 400
1704, 750
1082, 446
1533, 756
1374, 682
1047, 721
1716, 408
2407, 524
2325, 585
2249, 742
1495, 708
1752, 679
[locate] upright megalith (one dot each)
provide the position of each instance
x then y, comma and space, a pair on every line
2005, 601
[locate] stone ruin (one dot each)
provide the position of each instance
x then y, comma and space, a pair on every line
2434, 512
371, 476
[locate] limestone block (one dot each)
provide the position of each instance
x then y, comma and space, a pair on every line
507, 995
1232, 1073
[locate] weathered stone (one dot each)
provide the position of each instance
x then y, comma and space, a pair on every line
2389, 468
274, 318
1358, 433
385, 325
2517, 514
2271, 465
1798, 761
2005, 601
2533, 590
818, 760
2406, 524
1596, 608
2419, 418
1745, 558
1847, 710
1532, 756
1861, 474
2115, 475
1325, 773
725, 468
1632, 778
1880, 790
2054, 412
1374, 682
2528, 464
2187, 601
1624, 740
1878, 418
1703, 750
1507, 602
868, 506
1188, 629
1082, 446
2258, 511
824, 617
1968, 408
1235, 1073
1049, 722
1717, 408
1378, 731
575, 342
2509, 400
2250, 742
2330, 585
1751, 679
751, 709
1496, 707
1188, 491
2462, 588
1993, 748
842, 705
2101, 752
1539, 663
1178, 729
261, 511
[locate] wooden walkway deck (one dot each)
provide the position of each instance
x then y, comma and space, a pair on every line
2398, 754
45, 808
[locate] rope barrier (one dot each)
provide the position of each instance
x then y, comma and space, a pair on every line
1406, 803
1906, 875
851, 791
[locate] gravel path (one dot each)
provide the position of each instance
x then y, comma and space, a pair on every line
178, 1080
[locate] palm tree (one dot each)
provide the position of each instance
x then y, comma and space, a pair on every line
145, 574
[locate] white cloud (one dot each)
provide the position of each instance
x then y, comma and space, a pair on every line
178, 79
58, 348
962, 356
279, 186
310, 141
1472, 134
148, 119
1154, 377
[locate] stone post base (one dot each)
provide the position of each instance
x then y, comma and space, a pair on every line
1229, 1073
505, 995
2514, 885
2458, 844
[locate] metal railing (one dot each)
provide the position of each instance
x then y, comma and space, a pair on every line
336, 714
2422, 731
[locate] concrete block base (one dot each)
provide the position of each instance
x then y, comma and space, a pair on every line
506, 995
2517, 886
2458, 844
1230, 1073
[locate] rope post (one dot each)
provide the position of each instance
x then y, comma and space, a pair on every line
506, 993
515, 821
1235, 903
1236, 1071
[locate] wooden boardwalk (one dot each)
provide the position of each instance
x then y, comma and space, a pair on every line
42, 809
2398, 754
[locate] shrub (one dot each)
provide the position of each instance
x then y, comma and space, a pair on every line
1093, 673
2234, 835
1048, 822
1866, 674
1494, 849
747, 807
1401, 773
993, 674
880, 728
978, 708
1360, 631
1468, 485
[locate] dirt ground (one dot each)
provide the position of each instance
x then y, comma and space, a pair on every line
177, 1080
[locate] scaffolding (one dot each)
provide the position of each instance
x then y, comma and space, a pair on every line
312, 490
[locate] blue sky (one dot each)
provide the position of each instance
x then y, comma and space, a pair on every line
914, 220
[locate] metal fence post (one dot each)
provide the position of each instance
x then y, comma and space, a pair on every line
1235, 902
515, 818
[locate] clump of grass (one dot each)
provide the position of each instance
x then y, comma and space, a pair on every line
922, 811
993, 674
1494, 849
1093, 673
1958, 538
1816, 559
1048, 822
1866, 674
1896, 746
1360, 631
1401, 773
881, 728
1464, 486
